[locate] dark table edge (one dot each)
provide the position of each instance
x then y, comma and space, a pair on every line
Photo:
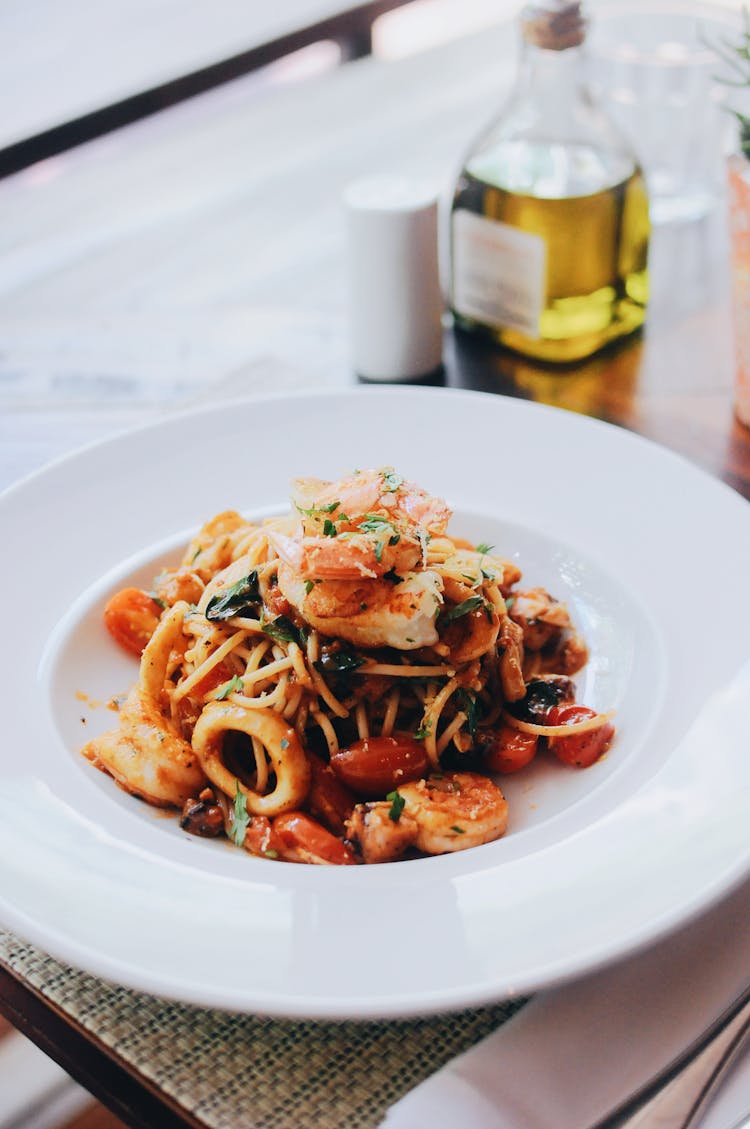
351, 29
127, 1093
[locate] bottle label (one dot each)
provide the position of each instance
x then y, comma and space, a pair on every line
498, 273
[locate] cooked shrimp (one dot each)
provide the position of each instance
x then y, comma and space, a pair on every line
547, 627
454, 811
540, 616
175, 584
369, 613
510, 647
379, 836
355, 566
364, 526
475, 632
213, 546
145, 754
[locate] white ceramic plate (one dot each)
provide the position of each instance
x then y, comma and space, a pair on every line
653, 558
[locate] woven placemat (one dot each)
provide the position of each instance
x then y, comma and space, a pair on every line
249, 1072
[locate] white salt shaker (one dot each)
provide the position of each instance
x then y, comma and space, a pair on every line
395, 298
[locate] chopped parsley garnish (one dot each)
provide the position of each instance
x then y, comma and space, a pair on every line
483, 547
398, 803
240, 816
229, 687
422, 732
374, 523
237, 599
309, 585
270, 853
391, 480
329, 528
458, 830
196, 554
464, 608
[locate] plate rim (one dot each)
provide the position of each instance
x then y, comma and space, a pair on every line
364, 1007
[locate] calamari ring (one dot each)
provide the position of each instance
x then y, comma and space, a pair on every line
278, 738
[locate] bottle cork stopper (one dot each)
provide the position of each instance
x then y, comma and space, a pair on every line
554, 25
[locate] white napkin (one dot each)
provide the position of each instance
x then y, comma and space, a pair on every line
573, 1053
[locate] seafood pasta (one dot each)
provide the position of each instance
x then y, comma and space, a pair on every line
346, 683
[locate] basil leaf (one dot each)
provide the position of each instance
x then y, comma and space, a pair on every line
464, 608
338, 662
237, 599
283, 629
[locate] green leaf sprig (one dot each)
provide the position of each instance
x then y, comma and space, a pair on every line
737, 58
241, 817
237, 599
398, 803
463, 608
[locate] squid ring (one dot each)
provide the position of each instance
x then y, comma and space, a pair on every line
278, 738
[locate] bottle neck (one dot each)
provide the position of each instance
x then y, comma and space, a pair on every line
552, 77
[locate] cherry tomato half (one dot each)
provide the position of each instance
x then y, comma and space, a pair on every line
329, 800
215, 678
303, 839
508, 750
131, 617
261, 838
581, 749
375, 766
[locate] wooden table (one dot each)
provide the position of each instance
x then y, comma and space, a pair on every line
199, 254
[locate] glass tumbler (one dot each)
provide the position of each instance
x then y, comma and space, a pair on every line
658, 67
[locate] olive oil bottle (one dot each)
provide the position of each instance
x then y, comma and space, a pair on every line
549, 223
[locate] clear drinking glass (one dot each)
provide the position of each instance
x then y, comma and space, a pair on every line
656, 68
